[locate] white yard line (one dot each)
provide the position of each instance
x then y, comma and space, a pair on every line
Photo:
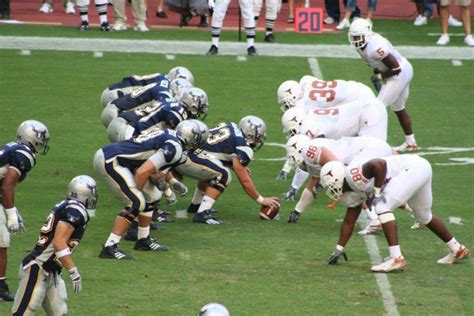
456, 62
225, 48
314, 66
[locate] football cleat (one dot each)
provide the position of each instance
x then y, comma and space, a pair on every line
205, 217
390, 265
407, 147
149, 244
214, 50
5, 293
293, 217
84, 26
113, 252
417, 226
159, 212
105, 27
161, 14
203, 22
270, 38
373, 226
252, 51
463, 252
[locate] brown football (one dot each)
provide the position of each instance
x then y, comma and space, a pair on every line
268, 212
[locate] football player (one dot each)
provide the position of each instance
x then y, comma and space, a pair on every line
126, 168
387, 182
128, 84
392, 74
17, 159
41, 281
311, 154
234, 145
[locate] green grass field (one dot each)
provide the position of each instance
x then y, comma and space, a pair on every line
254, 267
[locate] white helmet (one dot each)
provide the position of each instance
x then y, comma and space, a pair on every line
295, 147
192, 133
35, 135
288, 93
84, 189
181, 72
214, 309
292, 120
196, 102
177, 87
332, 178
254, 130
360, 33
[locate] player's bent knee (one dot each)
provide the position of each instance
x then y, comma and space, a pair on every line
423, 217
129, 214
386, 217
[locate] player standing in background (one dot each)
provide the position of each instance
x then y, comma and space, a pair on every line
16, 160
101, 6
41, 283
220, 10
392, 74
272, 7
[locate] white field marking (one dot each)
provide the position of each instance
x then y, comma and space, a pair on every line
25, 52
459, 161
444, 150
381, 278
450, 34
455, 220
225, 48
170, 57
181, 214
314, 66
98, 54
241, 58
456, 62
11, 22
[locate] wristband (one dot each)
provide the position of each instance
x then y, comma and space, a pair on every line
339, 247
72, 270
377, 192
62, 253
260, 199
11, 210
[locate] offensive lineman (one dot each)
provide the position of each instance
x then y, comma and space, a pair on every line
392, 74
41, 283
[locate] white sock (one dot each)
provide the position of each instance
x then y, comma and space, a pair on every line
453, 245
395, 251
143, 232
215, 41
371, 214
207, 203
250, 42
112, 240
299, 178
410, 139
197, 197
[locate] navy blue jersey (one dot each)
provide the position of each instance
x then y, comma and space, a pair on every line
226, 140
132, 153
136, 114
18, 156
139, 81
143, 96
70, 212
169, 114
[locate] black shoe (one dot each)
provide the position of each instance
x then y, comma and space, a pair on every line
162, 216
293, 217
205, 217
147, 244
156, 226
161, 14
113, 252
251, 51
105, 27
84, 26
193, 208
203, 22
5, 294
185, 18
212, 51
270, 38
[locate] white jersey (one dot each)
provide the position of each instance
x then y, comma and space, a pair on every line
323, 94
334, 122
376, 50
358, 183
399, 163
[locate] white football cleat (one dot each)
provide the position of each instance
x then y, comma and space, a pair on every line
141, 27
344, 24
468, 40
454, 22
417, 226
373, 226
392, 264
451, 258
70, 8
46, 8
443, 40
407, 147
119, 26
421, 20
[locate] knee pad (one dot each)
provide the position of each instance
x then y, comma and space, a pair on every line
129, 214
386, 217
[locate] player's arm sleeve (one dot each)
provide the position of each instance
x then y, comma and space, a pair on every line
244, 154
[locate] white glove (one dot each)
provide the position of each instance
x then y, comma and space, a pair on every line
211, 4
76, 279
170, 197
13, 220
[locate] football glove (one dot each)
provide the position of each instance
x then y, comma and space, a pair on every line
290, 194
170, 197
162, 185
179, 188
334, 258
283, 175
76, 279
377, 81
15, 222
293, 217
